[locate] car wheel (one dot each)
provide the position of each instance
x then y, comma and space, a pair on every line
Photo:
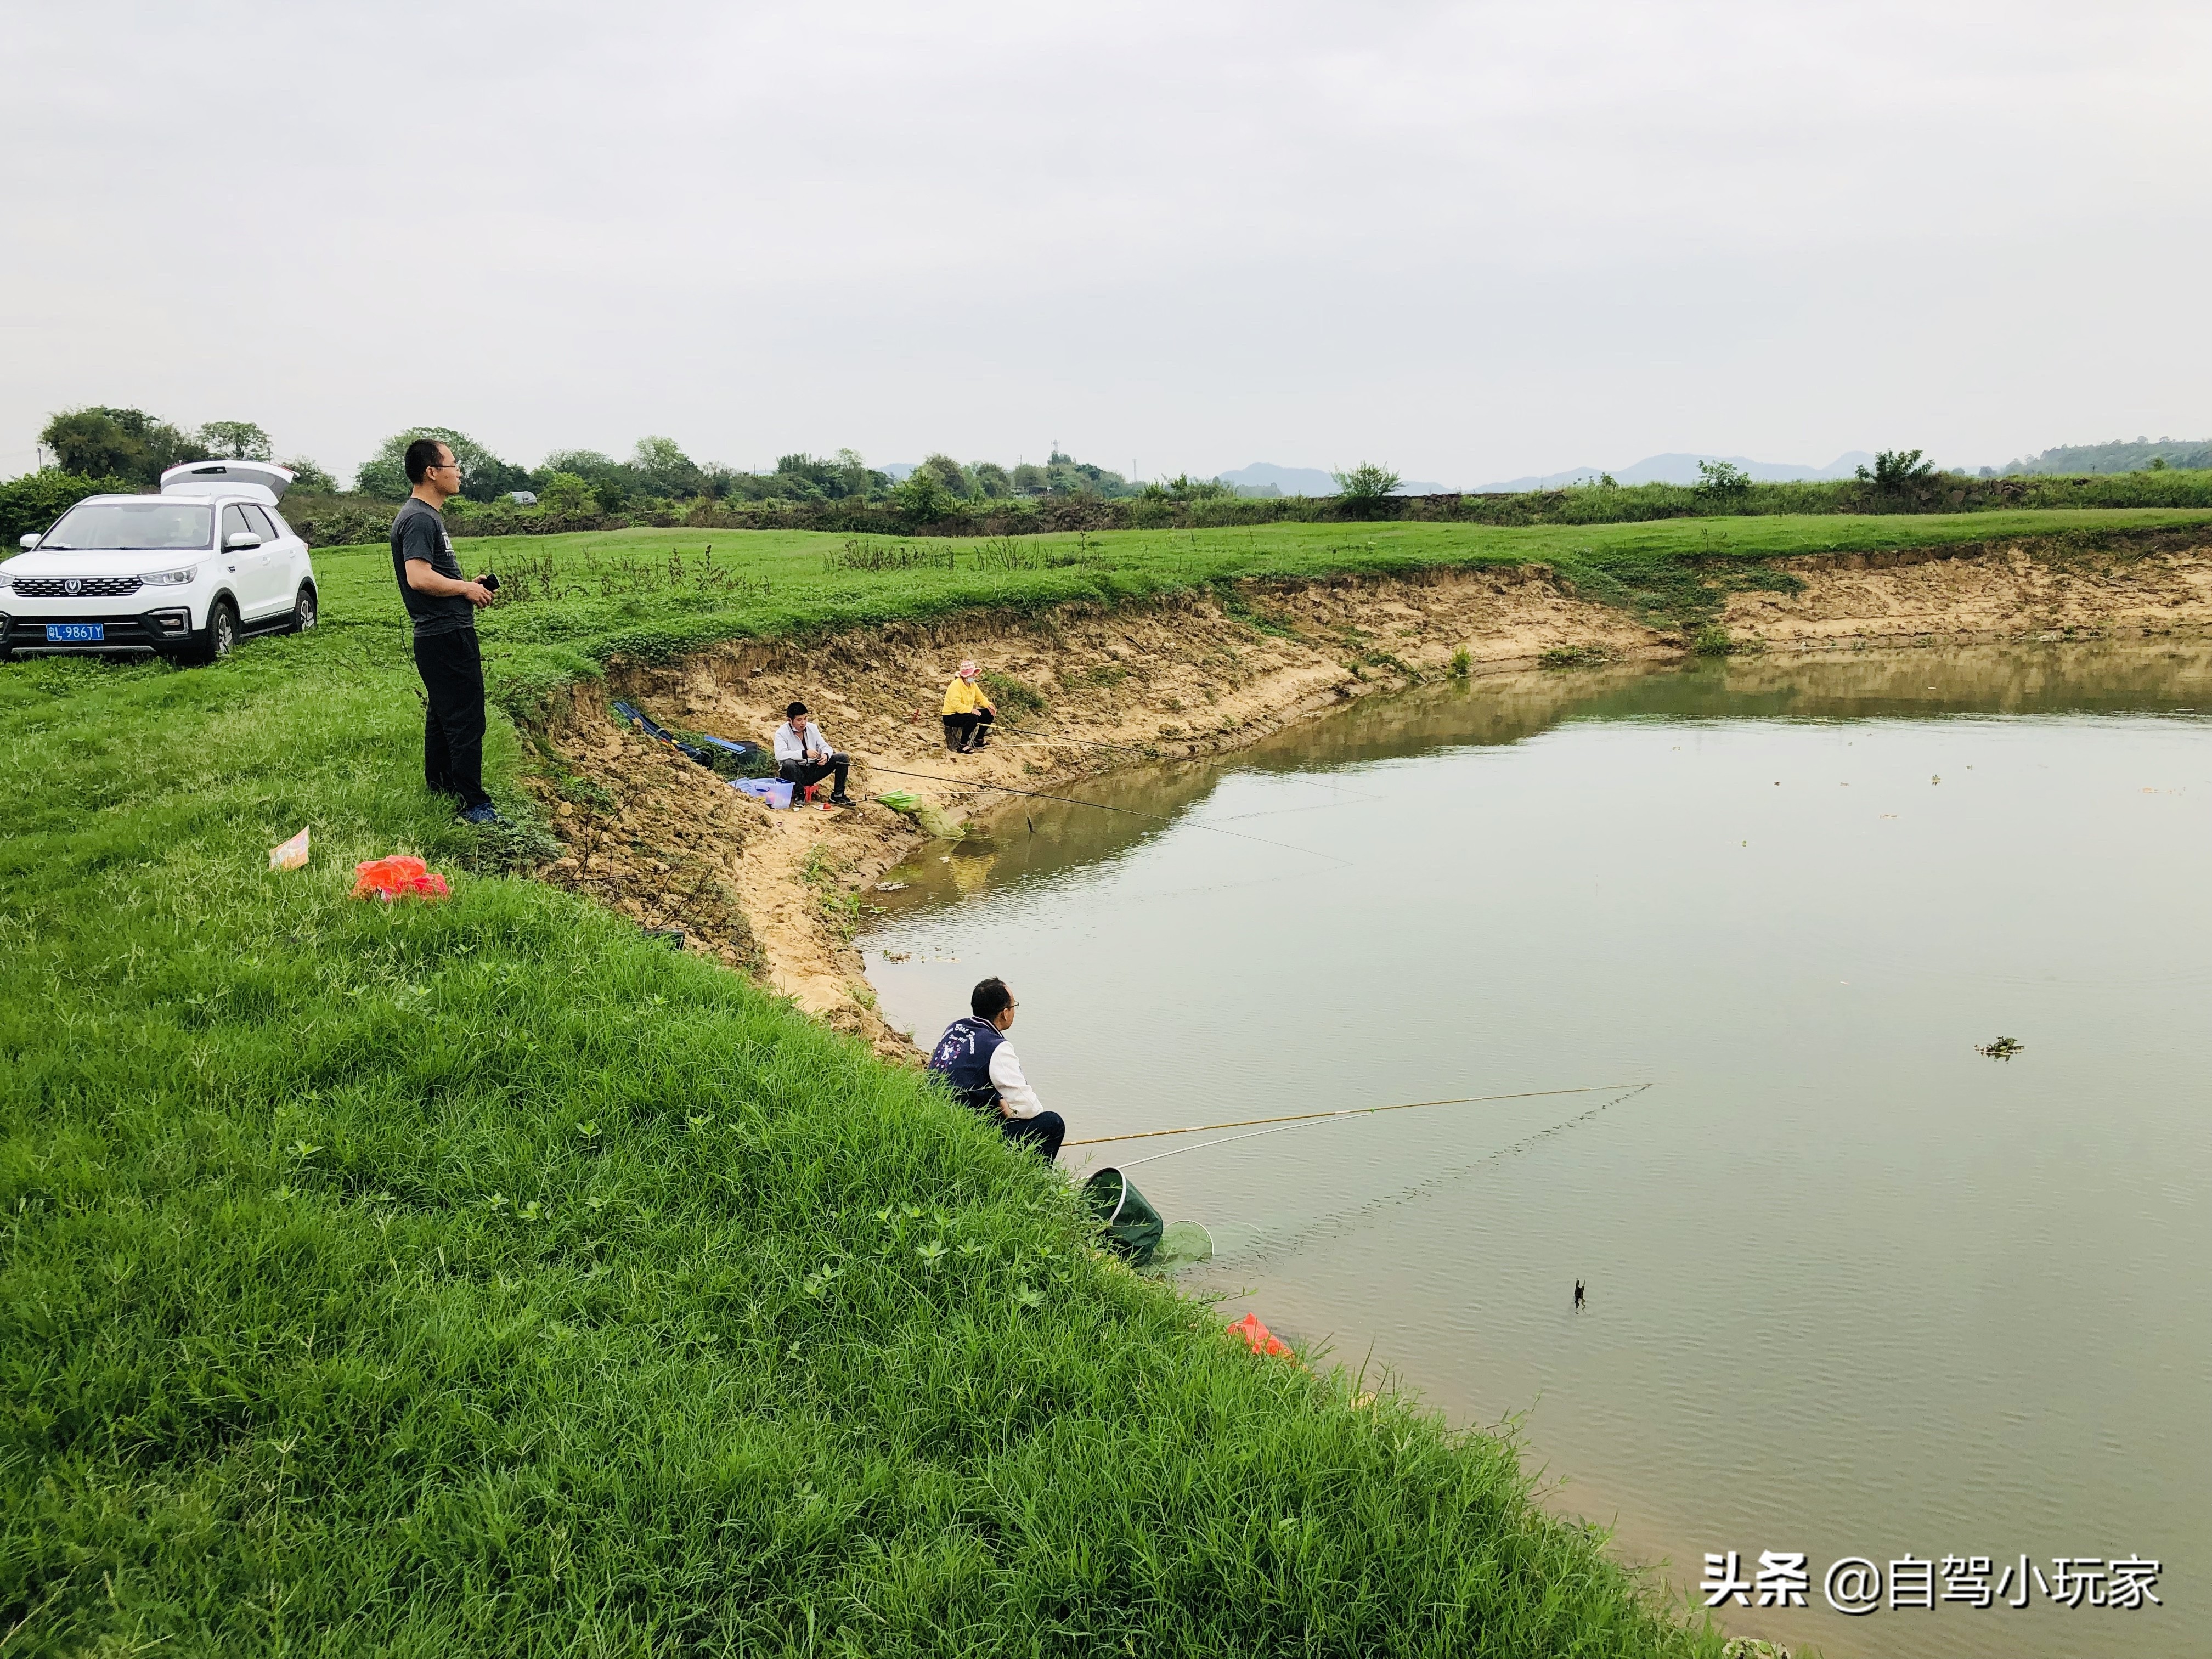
303, 609
222, 631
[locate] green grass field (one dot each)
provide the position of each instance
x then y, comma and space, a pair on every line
655, 594
480, 1278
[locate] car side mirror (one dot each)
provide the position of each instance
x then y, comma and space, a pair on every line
239, 540
29, 541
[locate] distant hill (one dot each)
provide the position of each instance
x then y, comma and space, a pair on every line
1682, 469
2118, 456
1311, 481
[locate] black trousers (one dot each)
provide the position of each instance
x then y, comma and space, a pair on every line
799, 774
967, 731
1044, 1133
453, 725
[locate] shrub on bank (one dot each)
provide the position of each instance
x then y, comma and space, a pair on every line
29, 505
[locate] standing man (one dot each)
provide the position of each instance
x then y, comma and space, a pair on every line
442, 604
978, 1063
967, 711
803, 755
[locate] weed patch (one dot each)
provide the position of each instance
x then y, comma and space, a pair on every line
874, 557
1009, 694
1574, 656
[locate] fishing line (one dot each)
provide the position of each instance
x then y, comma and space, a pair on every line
1316, 1117
1153, 753
1000, 733
1311, 806
1131, 811
1347, 1221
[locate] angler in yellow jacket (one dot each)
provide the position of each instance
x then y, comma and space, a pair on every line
967, 711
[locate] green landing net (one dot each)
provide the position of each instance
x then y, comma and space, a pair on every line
1133, 1227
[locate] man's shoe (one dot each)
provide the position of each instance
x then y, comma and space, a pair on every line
486, 813
842, 801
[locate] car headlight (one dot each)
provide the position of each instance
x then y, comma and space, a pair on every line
171, 578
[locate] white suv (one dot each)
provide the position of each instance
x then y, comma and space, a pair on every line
187, 572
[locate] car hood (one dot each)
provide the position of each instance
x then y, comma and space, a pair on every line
36, 563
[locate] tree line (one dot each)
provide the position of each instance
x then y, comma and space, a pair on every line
569, 482
101, 448
131, 446
102, 441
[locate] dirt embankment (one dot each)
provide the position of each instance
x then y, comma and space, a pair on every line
780, 894
2009, 592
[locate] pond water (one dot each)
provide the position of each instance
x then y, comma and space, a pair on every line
1853, 1289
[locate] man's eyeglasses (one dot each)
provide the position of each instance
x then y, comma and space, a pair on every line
447, 466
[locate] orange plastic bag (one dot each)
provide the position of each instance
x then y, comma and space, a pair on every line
396, 876
1259, 1338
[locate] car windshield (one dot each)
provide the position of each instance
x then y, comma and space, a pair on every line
147, 526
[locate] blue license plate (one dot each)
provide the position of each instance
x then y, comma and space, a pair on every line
75, 633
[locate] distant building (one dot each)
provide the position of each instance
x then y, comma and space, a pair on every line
522, 497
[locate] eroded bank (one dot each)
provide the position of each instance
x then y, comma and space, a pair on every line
780, 894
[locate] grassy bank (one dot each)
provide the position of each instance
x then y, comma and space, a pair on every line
656, 594
479, 1278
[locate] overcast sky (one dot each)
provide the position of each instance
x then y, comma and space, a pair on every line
1469, 241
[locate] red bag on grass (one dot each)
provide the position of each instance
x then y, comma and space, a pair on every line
1258, 1337
396, 876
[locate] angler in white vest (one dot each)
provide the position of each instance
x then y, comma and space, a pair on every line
803, 755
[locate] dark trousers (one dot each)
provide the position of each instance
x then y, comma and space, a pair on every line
1043, 1132
453, 725
799, 774
967, 731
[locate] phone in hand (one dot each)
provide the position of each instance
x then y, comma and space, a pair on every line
489, 582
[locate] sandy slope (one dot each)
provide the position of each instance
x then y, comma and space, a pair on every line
666, 842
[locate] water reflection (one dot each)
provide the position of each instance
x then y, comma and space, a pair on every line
1022, 839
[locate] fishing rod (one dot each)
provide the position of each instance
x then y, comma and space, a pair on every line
1000, 733
1628, 1090
1151, 752
1348, 1111
1070, 800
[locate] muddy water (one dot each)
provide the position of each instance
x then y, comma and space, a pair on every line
1853, 1289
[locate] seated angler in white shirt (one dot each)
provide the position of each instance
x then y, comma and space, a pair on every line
978, 1063
803, 755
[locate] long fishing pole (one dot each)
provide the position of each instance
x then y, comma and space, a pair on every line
1348, 1111
1000, 733
1628, 1089
1070, 800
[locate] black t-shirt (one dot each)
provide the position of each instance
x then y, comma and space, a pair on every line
419, 532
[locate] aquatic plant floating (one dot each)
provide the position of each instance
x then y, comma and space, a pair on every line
2003, 1048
